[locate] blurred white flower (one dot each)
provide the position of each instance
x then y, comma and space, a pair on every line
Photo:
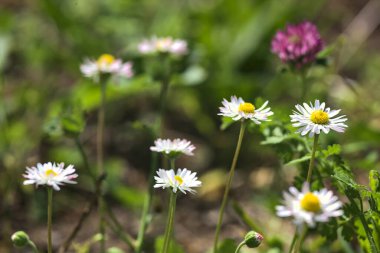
184, 180
106, 64
174, 147
163, 45
237, 109
309, 207
316, 118
50, 174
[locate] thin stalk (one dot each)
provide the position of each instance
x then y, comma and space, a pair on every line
119, 229
293, 242
227, 189
100, 163
301, 239
239, 246
311, 164
170, 222
33, 246
156, 131
79, 145
49, 217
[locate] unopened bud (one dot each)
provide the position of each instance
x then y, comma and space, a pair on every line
253, 239
20, 239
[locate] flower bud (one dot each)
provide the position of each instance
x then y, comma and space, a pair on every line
20, 239
253, 239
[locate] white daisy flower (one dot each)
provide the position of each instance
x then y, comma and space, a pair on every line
174, 147
237, 109
316, 118
163, 45
309, 207
50, 174
184, 180
106, 64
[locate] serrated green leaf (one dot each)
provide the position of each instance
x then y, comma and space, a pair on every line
374, 181
334, 149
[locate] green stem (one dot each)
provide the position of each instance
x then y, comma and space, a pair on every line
156, 131
301, 239
85, 158
33, 246
119, 229
239, 246
170, 222
227, 189
311, 164
49, 217
293, 241
100, 163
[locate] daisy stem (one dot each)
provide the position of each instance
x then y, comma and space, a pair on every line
156, 131
311, 164
33, 246
301, 239
49, 217
293, 242
100, 163
170, 221
240, 246
227, 189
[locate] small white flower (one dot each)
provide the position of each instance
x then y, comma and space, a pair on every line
309, 207
237, 109
316, 118
106, 64
50, 174
183, 180
174, 147
163, 45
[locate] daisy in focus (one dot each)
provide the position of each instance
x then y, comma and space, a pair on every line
50, 174
315, 118
173, 148
106, 64
169, 45
297, 44
309, 207
184, 180
237, 109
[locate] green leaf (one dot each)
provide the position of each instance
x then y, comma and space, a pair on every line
128, 196
115, 250
374, 182
227, 246
334, 149
299, 160
174, 246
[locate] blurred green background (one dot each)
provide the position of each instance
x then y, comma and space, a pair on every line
43, 42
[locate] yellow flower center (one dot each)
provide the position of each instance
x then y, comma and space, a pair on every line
50, 172
106, 59
319, 117
247, 108
311, 203
178, 179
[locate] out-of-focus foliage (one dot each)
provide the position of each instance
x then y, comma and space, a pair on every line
47, 107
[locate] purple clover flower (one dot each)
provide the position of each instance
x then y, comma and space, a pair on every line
297, 44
